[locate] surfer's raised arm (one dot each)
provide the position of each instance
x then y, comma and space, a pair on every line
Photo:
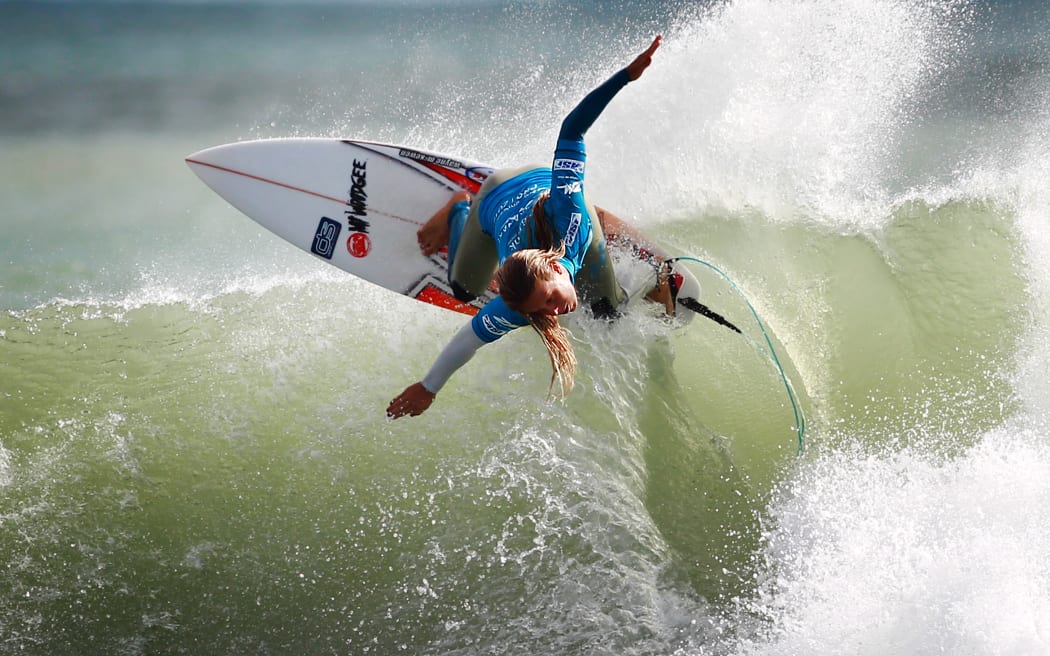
537, 225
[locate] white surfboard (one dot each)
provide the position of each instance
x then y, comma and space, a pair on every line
358, 205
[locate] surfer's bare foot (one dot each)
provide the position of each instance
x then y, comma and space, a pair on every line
662, 293
433, 236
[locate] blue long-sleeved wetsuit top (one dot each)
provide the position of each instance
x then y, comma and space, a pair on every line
504, 211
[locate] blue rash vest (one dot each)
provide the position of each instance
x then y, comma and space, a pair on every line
505, 210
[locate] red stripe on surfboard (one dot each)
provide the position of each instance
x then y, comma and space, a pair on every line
289, 187
434, 296
463, 181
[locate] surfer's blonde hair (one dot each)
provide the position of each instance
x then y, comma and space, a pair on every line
516, 279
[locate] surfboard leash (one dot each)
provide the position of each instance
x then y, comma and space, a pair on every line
800, 419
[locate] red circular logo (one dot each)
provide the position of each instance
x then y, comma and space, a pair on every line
359, 244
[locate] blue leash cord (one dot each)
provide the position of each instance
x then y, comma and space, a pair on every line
800, 420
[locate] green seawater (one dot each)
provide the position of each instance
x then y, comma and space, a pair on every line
194, 457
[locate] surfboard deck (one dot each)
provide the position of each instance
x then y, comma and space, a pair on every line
358, 206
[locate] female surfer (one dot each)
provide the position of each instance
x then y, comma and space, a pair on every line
537, 226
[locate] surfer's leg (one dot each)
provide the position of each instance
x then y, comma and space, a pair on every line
473, 259
596, 280
623, 234
662, 293
618, 231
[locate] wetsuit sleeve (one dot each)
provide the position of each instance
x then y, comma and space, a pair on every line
590, 108
567, 207
493, 321
456, 353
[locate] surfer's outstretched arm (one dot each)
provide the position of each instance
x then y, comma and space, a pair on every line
567, 209
417, 397
594, 103
492, 322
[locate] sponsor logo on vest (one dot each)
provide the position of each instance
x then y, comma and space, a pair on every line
570, 188
574, 228
497, 326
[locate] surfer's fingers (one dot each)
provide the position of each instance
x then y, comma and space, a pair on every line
412, 402
398, 408
642, 61
655, 44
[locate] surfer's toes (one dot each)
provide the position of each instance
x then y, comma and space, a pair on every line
431, 239
426, 244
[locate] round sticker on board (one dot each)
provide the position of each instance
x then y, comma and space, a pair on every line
359, 244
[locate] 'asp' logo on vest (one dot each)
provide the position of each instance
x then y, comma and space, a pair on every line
568, 165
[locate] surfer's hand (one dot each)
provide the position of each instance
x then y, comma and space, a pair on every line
413, 401
642, 61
